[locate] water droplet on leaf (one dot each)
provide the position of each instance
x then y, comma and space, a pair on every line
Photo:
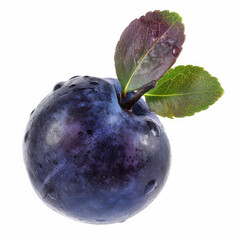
176, 51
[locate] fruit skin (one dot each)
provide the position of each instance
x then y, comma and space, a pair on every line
89, 159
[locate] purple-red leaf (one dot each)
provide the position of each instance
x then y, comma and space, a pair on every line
148, 47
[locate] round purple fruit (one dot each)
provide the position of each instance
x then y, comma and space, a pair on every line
89, 158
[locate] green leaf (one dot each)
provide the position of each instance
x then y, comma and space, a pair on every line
182, 91
148, 47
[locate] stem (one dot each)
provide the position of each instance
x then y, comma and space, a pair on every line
128, 105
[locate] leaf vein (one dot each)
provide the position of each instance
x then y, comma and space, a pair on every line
125, 89
177, 94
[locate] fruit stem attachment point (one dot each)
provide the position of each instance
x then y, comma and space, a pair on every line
128, 105
123, 94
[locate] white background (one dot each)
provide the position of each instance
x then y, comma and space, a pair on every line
44, 42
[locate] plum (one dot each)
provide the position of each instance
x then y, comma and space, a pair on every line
90, 159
